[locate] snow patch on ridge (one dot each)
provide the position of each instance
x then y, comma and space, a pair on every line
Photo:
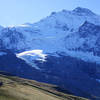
30, 56
85, 56
34, 53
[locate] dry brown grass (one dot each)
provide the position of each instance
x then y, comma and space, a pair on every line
15, 88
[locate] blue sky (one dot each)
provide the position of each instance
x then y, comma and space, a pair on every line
15, 12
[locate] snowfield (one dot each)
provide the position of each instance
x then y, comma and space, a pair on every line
59, 32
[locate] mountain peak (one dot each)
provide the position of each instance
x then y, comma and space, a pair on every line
80, 10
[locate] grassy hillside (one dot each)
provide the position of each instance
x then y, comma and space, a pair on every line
14, 88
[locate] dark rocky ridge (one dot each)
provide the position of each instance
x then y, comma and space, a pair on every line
74, 75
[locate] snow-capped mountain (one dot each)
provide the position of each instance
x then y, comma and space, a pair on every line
66, 31
63, 47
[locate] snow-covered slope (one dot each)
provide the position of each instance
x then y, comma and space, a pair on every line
30, 56
60, 32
